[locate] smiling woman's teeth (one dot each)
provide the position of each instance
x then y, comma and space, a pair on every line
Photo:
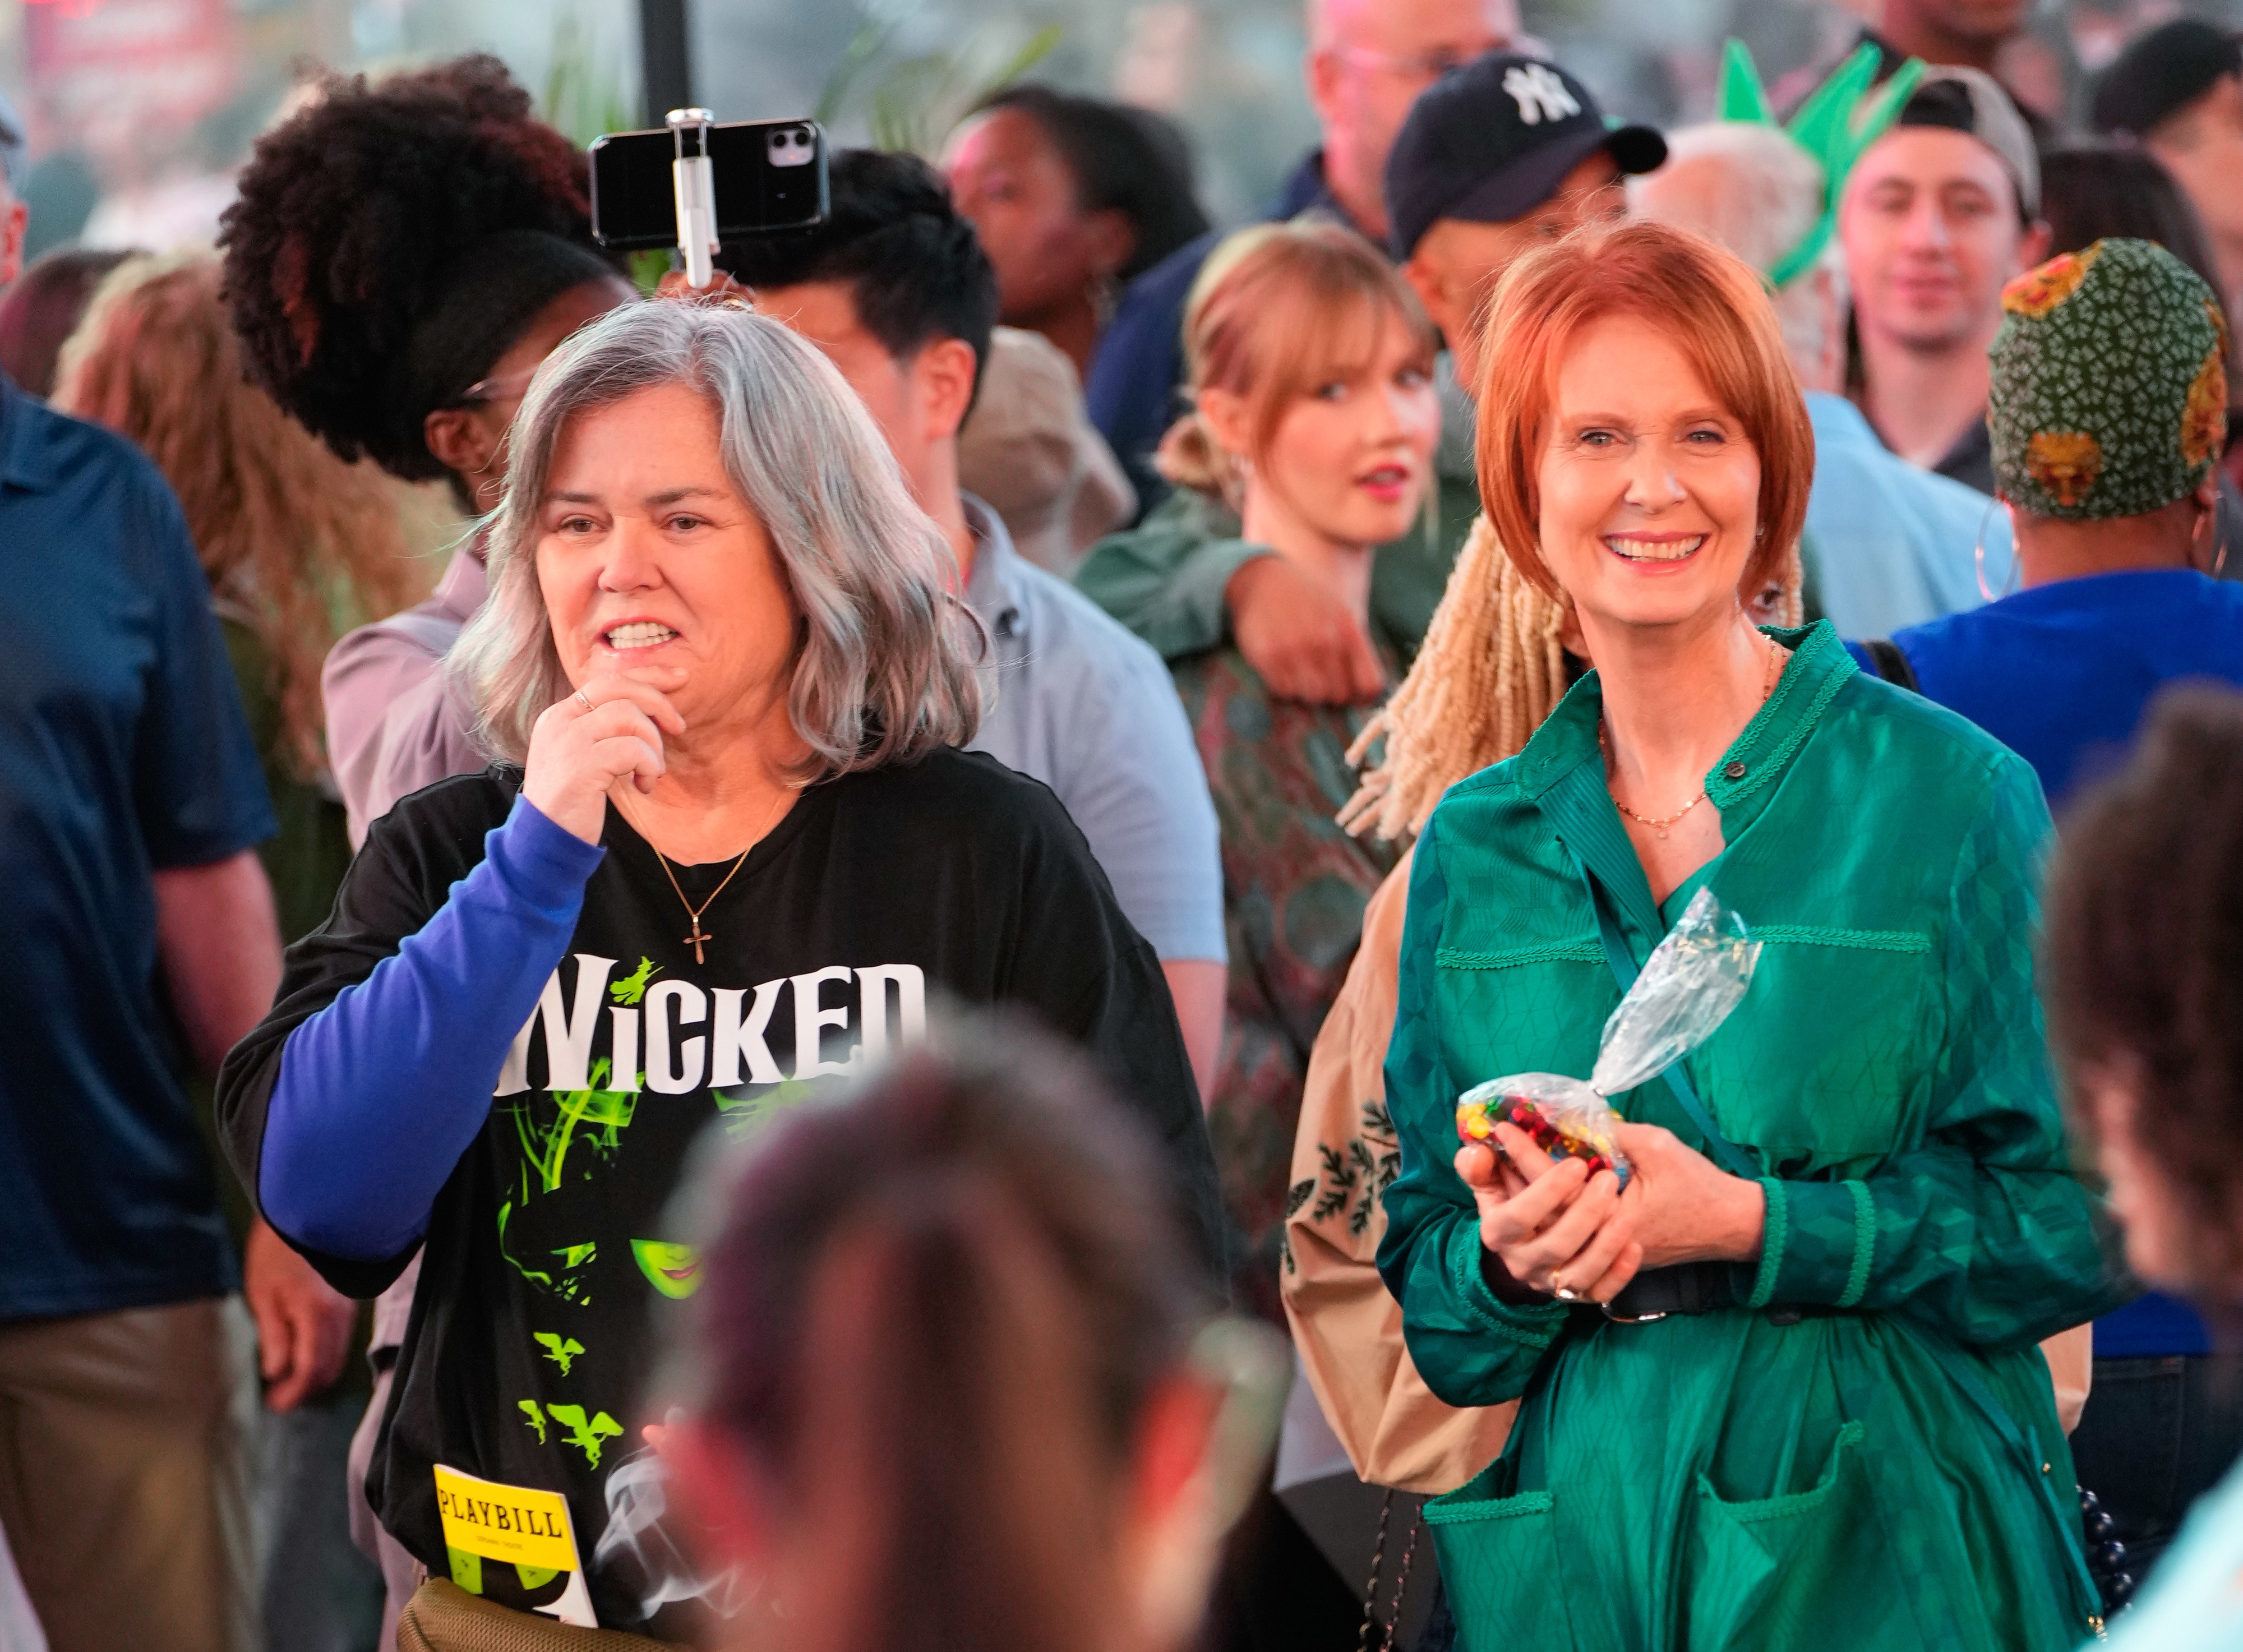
643, 633
1639, 550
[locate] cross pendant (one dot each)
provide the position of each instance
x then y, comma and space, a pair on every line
696, 937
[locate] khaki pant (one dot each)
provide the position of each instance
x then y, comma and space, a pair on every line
124, 1463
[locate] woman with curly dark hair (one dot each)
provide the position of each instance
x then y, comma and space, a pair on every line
391, 243
2144, 956
402, 257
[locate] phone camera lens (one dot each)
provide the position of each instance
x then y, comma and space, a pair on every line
792, 146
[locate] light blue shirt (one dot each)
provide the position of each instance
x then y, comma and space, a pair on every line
2193, 1603
1889, 545
1073, 700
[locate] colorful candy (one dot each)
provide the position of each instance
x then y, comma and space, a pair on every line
1477, 1119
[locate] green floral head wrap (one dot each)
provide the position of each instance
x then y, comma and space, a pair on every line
2110, 391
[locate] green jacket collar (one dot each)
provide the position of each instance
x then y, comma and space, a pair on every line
1562, 772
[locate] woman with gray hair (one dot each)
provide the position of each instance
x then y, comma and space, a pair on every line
729, 848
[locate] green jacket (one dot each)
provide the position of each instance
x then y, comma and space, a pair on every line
1165, 578
1747, 1478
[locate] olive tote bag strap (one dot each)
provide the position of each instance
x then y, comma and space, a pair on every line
1731, 1157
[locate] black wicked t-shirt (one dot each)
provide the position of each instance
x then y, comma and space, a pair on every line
547, 1253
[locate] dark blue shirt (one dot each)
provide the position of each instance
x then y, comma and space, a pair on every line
122, 751
2063, 674
1135, 376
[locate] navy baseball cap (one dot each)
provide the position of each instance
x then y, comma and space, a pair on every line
2161, 73
1492, 139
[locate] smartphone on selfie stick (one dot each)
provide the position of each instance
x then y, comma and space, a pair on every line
694, 183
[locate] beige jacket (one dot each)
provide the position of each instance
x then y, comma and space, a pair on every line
1348, 1329
1346, 1325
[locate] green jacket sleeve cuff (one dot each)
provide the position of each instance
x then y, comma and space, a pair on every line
1534, 1327
1196, 614
1819, 1242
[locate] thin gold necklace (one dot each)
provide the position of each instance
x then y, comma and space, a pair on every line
700, 936
1658, 826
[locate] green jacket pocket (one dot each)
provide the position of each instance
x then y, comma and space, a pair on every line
1761, 1572
1499, 1552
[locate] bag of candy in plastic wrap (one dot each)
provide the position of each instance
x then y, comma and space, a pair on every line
1689, 985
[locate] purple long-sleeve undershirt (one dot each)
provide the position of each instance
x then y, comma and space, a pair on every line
380, 1093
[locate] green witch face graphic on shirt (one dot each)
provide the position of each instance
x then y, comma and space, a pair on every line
674, 1270
566, 1138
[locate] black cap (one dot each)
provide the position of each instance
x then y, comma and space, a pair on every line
1490, 140
2163, 72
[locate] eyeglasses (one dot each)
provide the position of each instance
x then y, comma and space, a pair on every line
499, 387
1419, 65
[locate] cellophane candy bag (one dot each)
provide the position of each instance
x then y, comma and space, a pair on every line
1692, 980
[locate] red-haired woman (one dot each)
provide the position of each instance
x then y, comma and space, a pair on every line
1785, 1381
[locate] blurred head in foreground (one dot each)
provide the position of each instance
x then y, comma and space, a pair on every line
2145, 955
942, 1375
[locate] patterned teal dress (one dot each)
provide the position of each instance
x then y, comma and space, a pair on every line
1294, 888
1863, 1452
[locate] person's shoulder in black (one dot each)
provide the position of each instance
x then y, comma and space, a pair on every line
413, 855
972, 801
1072, 957
969, 791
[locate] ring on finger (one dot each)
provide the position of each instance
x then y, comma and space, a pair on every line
584, 697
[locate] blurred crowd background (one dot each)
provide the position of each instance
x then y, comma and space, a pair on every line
140, 109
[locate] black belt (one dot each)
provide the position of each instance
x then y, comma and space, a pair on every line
1692, 1287
1687, 1287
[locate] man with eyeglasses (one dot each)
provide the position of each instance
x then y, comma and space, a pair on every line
1367, 62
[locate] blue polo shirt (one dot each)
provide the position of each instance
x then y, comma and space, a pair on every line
2063, 675
122, 751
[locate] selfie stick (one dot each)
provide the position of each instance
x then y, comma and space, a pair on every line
695, 181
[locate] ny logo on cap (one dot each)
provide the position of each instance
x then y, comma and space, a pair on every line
1540, 95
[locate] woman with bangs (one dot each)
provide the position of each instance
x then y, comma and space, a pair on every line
1310, 368
1784, 1379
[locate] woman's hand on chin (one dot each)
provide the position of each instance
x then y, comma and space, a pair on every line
593, 737
1685, 1208
1551, 1227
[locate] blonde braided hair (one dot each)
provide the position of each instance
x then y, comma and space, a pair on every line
1493, 666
